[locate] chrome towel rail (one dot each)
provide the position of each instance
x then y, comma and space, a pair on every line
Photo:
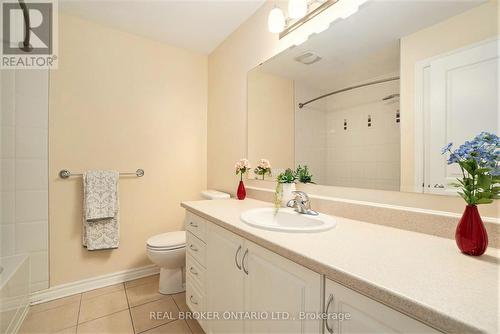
64, 173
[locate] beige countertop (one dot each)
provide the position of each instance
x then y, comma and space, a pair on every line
420, 275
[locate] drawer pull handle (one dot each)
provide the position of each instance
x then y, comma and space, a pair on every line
330, 301
192, 301
243, 262
236, 258
194, 272
193, 224
193, 247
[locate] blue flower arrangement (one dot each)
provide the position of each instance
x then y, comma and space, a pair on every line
479, 161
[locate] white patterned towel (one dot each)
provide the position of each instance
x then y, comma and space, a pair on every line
101, 228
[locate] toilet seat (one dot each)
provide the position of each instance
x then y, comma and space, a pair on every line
167, 241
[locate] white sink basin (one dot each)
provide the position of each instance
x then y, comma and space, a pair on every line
287, 220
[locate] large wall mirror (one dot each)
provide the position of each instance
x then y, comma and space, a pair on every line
370, 102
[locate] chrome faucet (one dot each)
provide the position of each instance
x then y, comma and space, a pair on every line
301, 203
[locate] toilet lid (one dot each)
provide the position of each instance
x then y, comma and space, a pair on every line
168, 240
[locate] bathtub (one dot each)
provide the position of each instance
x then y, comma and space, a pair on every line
14, 292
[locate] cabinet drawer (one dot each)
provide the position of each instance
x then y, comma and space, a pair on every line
196, 225
196, 248
195, 272
194, 298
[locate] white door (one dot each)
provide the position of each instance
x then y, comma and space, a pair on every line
365, 315
463, 102
282, 289
224, 283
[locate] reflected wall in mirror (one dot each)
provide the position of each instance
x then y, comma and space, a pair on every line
370, 101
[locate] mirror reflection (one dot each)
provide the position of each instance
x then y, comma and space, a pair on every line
370, 102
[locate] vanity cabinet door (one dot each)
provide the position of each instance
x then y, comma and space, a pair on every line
366, 314
224, 283
276, 284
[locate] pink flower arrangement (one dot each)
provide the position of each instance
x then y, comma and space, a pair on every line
241, 167
263, 168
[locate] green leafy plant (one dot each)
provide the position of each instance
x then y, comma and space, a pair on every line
303, 175
479, 162
288, 176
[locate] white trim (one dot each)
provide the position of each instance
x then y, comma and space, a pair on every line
418, 114
20, 320
88, 284
388, 206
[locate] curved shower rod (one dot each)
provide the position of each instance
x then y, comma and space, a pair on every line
301, 105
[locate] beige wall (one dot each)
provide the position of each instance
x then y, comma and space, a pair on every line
248, 46
270, 119
119, 101
467, 28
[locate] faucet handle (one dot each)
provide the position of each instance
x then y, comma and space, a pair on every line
300, 195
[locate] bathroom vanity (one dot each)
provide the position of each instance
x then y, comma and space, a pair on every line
387, 280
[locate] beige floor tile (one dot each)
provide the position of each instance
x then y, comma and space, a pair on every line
174, 327
141, 315
102, 291
118, 323
180, 300
71, 330
195, 327
55, 303
144, 280
142, 294
50, 321
102, 305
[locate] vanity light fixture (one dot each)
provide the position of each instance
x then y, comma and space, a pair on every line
299, 12
276, 21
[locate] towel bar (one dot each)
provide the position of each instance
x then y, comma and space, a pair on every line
64, 173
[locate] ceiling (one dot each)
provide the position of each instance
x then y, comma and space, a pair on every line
365, 45
195, 25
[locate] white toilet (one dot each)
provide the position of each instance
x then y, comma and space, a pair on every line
168, 251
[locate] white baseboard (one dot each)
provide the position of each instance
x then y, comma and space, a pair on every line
88, 284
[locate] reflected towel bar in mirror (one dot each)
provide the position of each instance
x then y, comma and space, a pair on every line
64, 173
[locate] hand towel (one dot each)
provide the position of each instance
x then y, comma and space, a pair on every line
101, 228
101, 194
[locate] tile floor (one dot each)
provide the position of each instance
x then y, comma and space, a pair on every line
121, 309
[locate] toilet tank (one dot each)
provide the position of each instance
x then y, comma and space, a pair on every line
214, 194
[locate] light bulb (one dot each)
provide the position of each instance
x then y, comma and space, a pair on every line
276, 20
297, 8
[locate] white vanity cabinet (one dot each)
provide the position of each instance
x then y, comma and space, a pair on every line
275, 284
230, 277
225, 278
366, 314
244, 277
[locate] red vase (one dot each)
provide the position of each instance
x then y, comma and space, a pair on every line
471, 236
242, 193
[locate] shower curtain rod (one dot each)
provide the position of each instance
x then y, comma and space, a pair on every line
301, 105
